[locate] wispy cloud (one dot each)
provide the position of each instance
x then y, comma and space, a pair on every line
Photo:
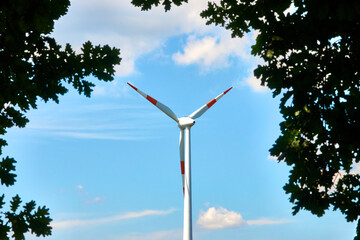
87, 198
115, 218
265, 221
160, 235
97, 135
116, 88
129, 134
102, 122
93, 200
218, 218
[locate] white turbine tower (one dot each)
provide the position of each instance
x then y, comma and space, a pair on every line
184, 123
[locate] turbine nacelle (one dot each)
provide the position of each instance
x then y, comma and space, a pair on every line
185, 122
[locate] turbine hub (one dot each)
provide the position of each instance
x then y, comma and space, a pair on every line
186, 122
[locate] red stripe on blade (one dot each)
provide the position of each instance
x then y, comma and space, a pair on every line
227, 90
132, 86
182, 167
153, 101
212, 102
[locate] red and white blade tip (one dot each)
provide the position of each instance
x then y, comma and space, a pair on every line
212, 102
228, 90
158, 104
132, 86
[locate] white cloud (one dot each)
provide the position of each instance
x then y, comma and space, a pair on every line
218, 218
135, 32
115, 218
273, 158
252, 82
213, 52
255, 84
120, 24
200, 51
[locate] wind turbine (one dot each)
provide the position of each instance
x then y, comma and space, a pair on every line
184, 123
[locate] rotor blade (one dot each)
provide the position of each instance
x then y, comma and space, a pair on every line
204, 108
158, 104
182, 165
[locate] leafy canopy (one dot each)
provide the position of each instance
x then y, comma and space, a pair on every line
311, 51
147, 4
32, 67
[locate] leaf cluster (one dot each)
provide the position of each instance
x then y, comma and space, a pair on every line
19, 222
16, 221
146, 5
33, 66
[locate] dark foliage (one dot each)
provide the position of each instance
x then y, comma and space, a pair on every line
148, 4
34, 67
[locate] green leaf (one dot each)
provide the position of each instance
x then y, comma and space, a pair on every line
2, 201
15, 203
7, 177
30, 206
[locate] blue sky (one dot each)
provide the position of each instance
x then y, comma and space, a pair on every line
108, 166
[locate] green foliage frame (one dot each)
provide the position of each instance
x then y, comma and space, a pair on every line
32, 67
